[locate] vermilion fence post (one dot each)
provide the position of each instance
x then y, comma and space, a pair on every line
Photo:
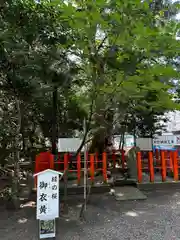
92, 167
139, 167
104, 160
151, 167
163, 166
43, 161
175, 165
79, 168
165, 155
51, 162
66, 159
123, 159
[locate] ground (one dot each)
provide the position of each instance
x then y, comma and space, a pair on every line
157, 218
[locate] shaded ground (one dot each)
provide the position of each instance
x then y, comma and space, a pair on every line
157, 178
157, 218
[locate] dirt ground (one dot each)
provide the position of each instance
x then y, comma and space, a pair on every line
156, 218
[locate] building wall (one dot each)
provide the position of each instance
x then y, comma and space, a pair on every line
173, 125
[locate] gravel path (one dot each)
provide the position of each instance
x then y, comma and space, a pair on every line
157, 218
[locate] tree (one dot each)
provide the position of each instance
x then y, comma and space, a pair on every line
32, 67
113, 63
126, 69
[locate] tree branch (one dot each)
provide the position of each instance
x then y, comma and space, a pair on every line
101, 44
87, 127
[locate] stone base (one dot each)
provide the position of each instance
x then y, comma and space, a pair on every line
128, 193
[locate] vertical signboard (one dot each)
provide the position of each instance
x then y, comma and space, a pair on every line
47, 209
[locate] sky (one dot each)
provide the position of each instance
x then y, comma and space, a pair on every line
178, 15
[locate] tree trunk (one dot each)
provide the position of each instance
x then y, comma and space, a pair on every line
54, 121
16, 172
22, 130
88, 124
102, 139
134, 132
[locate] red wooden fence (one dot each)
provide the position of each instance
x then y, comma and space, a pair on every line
44, 160
164, 161
93, 161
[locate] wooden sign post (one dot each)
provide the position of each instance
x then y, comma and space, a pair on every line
47, 202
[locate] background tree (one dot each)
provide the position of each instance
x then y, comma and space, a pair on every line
111, 63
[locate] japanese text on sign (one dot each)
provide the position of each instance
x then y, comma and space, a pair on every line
48, 195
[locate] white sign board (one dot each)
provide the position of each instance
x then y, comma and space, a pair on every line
164, 140
47, 195
177, 141
145, 144
69, 144
128, 141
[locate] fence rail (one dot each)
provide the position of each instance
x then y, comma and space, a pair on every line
95, 163
162, 161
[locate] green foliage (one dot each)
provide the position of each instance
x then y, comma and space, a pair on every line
116, 58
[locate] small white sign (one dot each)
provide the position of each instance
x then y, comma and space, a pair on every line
47, 194
178, 140
164, 140
145, 144
47, 229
